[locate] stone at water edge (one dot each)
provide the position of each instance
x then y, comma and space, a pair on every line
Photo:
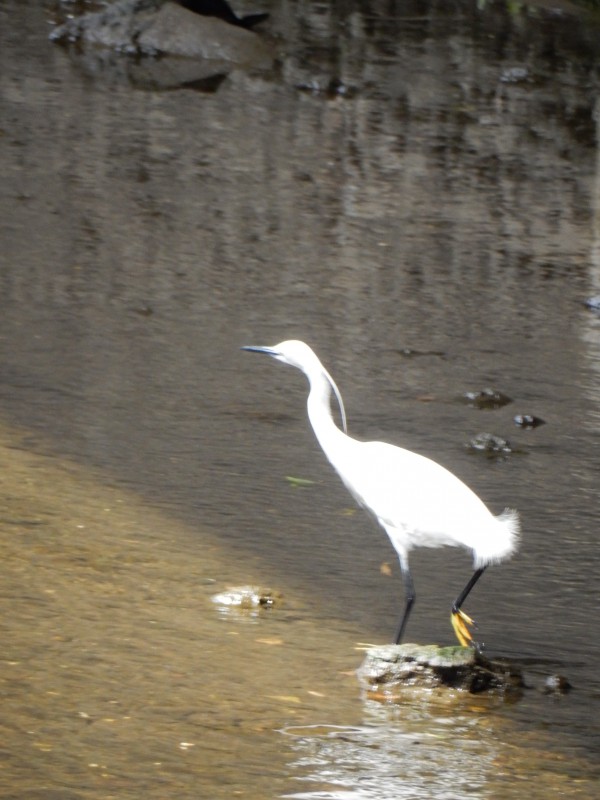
389, 668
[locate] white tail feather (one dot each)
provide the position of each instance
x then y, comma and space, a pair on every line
500, 547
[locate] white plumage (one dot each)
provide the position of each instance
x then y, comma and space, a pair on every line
416, 501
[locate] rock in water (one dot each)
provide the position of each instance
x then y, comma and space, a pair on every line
180, 32
153, 27
528, 421
389, 669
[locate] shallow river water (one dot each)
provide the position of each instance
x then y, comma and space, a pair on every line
413, 189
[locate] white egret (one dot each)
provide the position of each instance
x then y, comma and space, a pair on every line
416, 501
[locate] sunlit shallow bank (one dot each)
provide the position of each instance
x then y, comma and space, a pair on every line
119, 674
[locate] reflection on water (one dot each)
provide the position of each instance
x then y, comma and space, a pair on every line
436, 756
450, 752
446, 205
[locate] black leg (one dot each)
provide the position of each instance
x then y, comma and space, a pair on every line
465, 592
409, 591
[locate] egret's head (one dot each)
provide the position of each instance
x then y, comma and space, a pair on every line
292, 352
297, 354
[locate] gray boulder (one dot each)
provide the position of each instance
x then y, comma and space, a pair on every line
156, 27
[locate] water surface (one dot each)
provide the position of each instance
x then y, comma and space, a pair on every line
412, 190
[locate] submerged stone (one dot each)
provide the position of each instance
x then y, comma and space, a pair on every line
514, 75
388, 670
247, 597
487, 399
490, 444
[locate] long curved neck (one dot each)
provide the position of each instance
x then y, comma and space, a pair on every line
319, 414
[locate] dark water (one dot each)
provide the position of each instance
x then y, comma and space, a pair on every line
412, 189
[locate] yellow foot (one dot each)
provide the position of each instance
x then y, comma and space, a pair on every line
461, 623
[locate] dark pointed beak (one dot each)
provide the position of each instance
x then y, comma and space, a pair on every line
256, 349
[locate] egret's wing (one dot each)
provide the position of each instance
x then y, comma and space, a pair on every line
412, 493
